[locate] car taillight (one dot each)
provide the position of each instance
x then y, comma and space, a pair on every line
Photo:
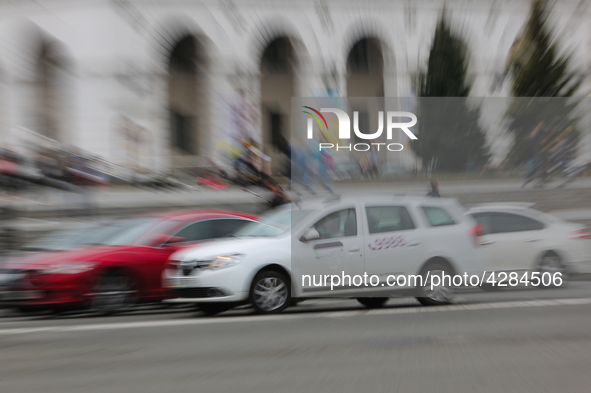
581, 234
476, 232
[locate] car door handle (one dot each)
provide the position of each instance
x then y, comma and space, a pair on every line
354, 249
535, 239
328, 245
414, 243
487, 243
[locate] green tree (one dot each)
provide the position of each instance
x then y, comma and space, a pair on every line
539, 70
451, 138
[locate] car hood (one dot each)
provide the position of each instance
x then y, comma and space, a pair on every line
234, 245
40, 260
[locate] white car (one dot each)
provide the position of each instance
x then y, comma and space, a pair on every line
518, 238
384, 236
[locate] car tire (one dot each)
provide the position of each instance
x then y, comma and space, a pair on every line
373, 302
29, 310
270, 292
437, 296
212, 309
115, 292
551, 263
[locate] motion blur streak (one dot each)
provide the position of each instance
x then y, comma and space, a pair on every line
150, 148
336, 314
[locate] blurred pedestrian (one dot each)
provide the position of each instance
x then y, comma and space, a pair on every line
279, 196
285, 148
365, 166
318, 167
374, 159
247, 165
434, 189
298, 163
259, 160
311, 163
327, 165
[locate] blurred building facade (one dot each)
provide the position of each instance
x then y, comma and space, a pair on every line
161, 84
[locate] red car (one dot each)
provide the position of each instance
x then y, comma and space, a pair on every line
110, 266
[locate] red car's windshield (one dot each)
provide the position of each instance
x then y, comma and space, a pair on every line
125, 231
161, 228
70, 237
138, 231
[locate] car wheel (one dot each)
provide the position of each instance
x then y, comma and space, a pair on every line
551, 263
29, 310
441, 294
372, 302
115, 292
270, 292
212, 309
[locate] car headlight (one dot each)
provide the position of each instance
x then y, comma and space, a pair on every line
68, 268
221, 261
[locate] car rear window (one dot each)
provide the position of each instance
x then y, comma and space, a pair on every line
507, 222
437, 216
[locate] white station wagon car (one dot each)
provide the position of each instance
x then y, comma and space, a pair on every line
517, 237
266, 263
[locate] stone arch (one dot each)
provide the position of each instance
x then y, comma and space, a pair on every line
185, 56
368, 66
282, 60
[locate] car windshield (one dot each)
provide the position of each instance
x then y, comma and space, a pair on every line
111, 233
67, 238
275, 223
124, 232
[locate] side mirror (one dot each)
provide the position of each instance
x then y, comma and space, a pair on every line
311, 234
162, 240
175, 239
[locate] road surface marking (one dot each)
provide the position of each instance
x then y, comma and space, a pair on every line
287, 317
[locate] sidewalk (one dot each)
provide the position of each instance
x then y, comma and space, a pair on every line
133, 198
39, 213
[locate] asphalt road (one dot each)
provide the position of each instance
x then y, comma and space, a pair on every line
510, 341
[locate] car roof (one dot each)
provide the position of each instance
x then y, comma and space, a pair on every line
515, 208
196, 214
502, 206
386, 198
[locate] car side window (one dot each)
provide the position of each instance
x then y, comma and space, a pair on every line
227, 226
201, 230
388, 219
342, 223
437, 216
507, 222
485, 220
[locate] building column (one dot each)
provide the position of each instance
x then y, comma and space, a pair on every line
159, 117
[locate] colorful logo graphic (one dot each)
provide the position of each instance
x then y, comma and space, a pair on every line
387, 121
316, 117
